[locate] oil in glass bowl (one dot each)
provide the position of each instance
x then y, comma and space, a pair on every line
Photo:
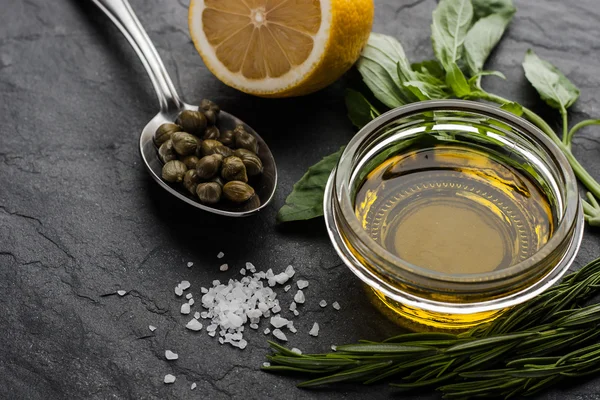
454, 209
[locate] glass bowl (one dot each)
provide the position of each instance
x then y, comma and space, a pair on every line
425, 299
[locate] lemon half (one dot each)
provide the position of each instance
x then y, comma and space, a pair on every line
279, 48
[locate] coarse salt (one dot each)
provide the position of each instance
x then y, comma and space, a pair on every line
193, 386
297, 351
169, 355
278, 321
336, 305
243, 271
169, 378
191, 302
178, 290
197, 315
323, 303
287, 288
315, 330
267, 331
188, 296
194, 325
333, 347
152, 328
302, 284
203, 290
224, 267
190, 264
185, 308
221, 255
184, 285
280, 335
290, 271
299, 297
121, 292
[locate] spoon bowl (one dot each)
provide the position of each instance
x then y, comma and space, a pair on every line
120, 12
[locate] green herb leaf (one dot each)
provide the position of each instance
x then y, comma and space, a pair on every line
378, 65
360, 110
474, 80
554, 88
430, 67
456, 80
483, 37
513, 107
306, 200
483, 8
451, 22
425, 90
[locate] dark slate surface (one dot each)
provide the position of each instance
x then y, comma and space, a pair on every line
80, 217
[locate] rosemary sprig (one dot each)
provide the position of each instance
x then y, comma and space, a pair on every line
526, 350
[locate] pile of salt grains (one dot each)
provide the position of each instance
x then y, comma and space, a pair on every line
231, 306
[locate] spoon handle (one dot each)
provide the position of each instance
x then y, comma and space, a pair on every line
121, 13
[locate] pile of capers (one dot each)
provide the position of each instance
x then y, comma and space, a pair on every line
210, 164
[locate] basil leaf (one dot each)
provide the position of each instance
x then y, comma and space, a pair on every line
430, 67
475, 78
306, 200
360, 111
378, 67
554, 88
483, 8
483, 37
425, 90
456, 80
513, 107
451, 21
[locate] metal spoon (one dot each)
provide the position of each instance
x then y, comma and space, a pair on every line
124, 18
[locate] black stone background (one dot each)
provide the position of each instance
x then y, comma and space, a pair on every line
80, 217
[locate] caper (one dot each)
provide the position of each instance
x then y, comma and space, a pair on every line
166, 152
193, 122
212, 133
209, 146
224, 151
237, 191
206, 105
164, 132
190, 161
227, 138
251, 161
173, 171
191, 180
211, 117
184, 143
209, 166
234, 170
209, 192
246, 141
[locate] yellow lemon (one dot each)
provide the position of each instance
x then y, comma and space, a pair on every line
279, 48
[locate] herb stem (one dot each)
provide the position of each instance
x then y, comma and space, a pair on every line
580, 125
565, 122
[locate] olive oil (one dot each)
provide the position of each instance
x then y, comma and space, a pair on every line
454, 209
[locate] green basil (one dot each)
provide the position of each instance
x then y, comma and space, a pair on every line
360, 110
483, 8
554, 88
456, 80
378, 67
430, 67
475, 78
451, 22
425, 90
306, 200
512, 107
483, 37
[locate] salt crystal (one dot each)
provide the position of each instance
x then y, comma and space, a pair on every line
266, 364
254, 326
221, 340
193, 386
315, 330
280, 335
169, 355
185, 308
121, 293
216, 282
224, 267
178, 290
333, 347
336, 305
276, 308
204, 314
197, 315
293, 306
250, 267
242, 344
221, 255
296, 313
302, 284
281, 278
291, 327
212, 334
191, 302
185, 285
290, 271
188, 296
169, 378
278, 321
287, 288
242, 271
299, 297
267, 331
194, 325
212, 328
272, 282
297, 351
152, 328
323, 303
190, 264
204, 290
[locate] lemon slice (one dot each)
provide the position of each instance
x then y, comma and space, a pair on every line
279, 48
